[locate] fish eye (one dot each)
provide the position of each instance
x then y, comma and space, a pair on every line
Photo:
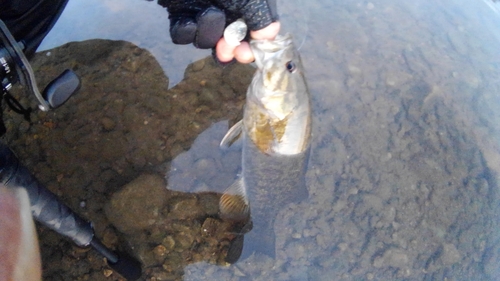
290, 66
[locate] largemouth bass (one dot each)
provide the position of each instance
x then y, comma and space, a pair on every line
275, 133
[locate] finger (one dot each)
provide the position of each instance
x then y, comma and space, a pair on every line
269, 32
183, 31
243, 53
224, 51
211, 24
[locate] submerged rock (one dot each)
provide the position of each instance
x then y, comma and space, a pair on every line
137, 205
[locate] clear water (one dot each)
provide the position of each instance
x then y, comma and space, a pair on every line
404, 169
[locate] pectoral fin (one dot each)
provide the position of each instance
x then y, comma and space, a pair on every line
233, 204
232, 135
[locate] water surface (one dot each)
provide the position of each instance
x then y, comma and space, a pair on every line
404, 168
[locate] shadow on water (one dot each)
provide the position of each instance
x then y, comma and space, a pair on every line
404, 169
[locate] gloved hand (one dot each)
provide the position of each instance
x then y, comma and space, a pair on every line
202, 22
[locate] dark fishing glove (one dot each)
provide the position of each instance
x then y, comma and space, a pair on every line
202, 22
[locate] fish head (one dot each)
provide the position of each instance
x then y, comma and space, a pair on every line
279, 76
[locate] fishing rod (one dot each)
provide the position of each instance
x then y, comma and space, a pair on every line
48, 210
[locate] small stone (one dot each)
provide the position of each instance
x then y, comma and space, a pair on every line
160, 251
450, 255
107, 272
209, 227
108, 124
185, 240
309, 232
354, 70
378, 262
210, 203
404, 273
168, 242
370, 6
80, 250
392, 257
49, 124
390, 80
339, 206
109, 238
353, 191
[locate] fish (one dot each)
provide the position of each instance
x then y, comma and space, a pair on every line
275, 136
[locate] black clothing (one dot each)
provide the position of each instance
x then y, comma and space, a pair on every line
29, 21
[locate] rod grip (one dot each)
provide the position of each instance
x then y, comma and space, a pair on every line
45, 206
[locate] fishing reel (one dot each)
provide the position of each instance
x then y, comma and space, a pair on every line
14, 67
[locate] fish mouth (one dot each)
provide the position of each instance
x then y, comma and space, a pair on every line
271, 46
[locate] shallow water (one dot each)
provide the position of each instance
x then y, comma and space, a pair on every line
404, 168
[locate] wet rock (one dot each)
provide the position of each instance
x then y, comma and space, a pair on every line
185, 207
137, 205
